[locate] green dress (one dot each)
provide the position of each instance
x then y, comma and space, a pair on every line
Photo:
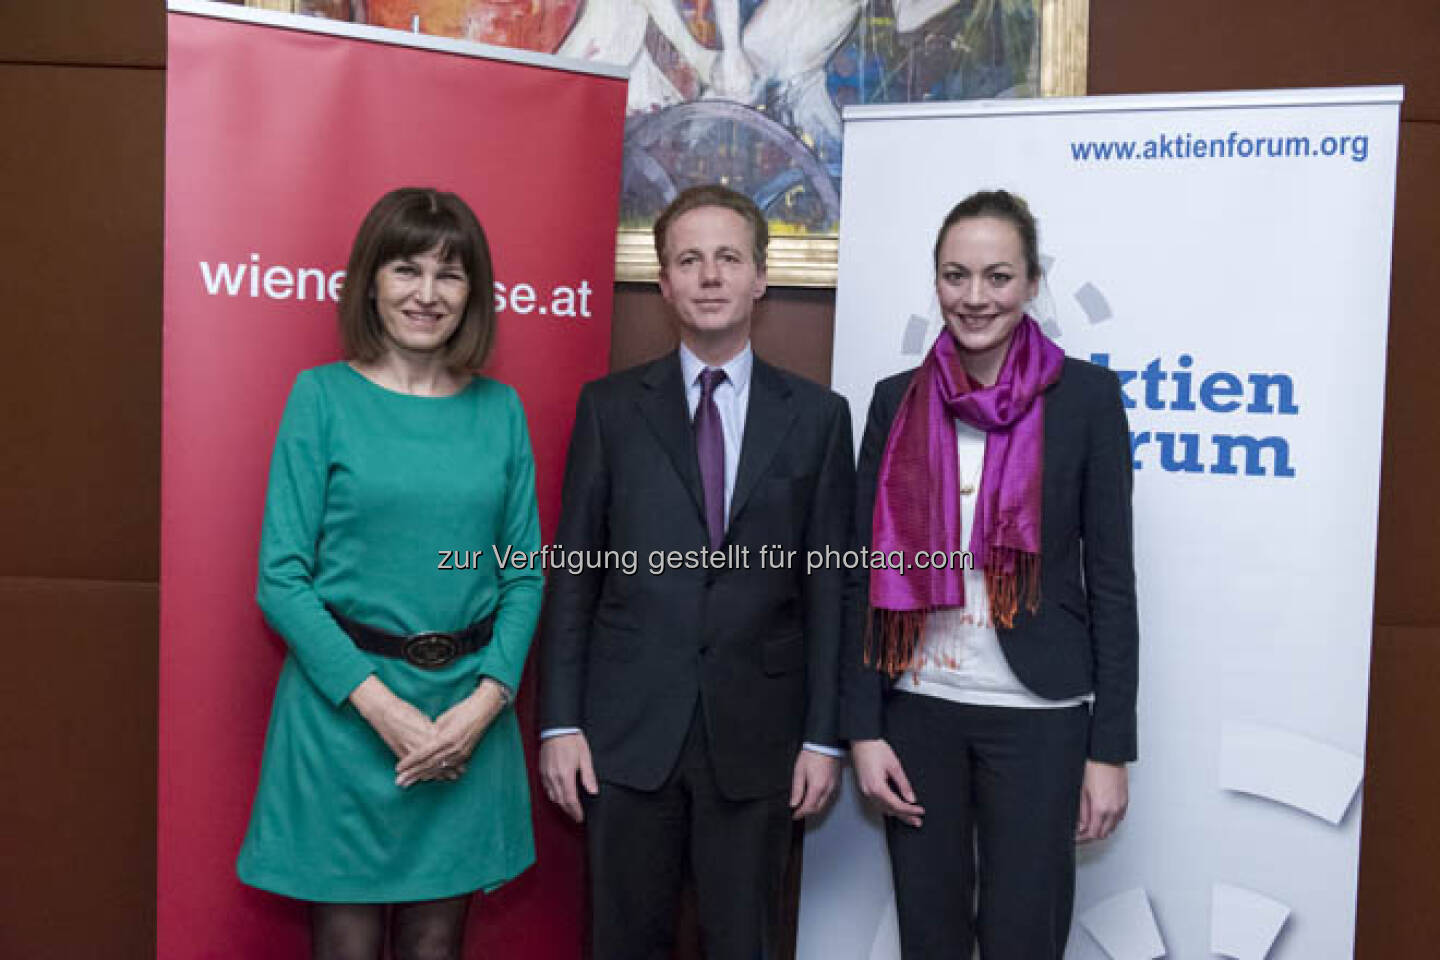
368, 488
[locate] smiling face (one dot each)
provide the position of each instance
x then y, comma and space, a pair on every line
420, 300
983, 284
709, 276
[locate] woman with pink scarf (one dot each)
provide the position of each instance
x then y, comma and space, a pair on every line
990, 686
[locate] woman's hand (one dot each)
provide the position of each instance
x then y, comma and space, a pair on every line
457, 732
1104, 796
403, 727
883, 781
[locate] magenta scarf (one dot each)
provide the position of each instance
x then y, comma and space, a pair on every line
917, 495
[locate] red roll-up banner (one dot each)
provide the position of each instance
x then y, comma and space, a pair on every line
280, 133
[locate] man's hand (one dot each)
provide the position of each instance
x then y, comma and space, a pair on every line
883, 781
563, 759
813, 783
1104, 796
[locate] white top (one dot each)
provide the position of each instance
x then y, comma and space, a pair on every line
962, 660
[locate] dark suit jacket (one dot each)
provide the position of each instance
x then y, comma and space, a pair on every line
624, 657
1084, 637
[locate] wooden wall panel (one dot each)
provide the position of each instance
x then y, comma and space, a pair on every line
1408, 568
77, 769
111, 32
82, 175
1254, 44
1400, 846
83, 199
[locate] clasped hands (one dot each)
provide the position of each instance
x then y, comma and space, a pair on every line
428, 749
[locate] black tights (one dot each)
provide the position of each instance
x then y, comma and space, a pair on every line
427, 930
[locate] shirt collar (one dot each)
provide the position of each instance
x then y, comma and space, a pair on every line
737, 371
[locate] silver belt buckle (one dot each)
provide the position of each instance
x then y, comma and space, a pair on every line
430, 651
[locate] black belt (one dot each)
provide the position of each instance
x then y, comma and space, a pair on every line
430, 650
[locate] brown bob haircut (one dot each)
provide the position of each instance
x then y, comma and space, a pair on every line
403, 223
714, 195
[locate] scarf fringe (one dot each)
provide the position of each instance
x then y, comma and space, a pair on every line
1009, 575
893, 639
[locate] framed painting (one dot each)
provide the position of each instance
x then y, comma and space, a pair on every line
749, 92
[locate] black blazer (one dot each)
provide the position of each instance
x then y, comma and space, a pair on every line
1085, 636
624, 657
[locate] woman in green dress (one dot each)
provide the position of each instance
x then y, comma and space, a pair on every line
393, 783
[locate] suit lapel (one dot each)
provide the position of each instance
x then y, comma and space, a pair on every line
663, 405
769, 418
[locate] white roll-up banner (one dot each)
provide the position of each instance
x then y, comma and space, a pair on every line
1228, 256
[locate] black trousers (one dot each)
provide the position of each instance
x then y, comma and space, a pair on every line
641, 843
1001, 792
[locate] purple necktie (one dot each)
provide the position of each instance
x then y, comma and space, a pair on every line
710, 448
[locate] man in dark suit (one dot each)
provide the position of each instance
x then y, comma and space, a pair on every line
689, 709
